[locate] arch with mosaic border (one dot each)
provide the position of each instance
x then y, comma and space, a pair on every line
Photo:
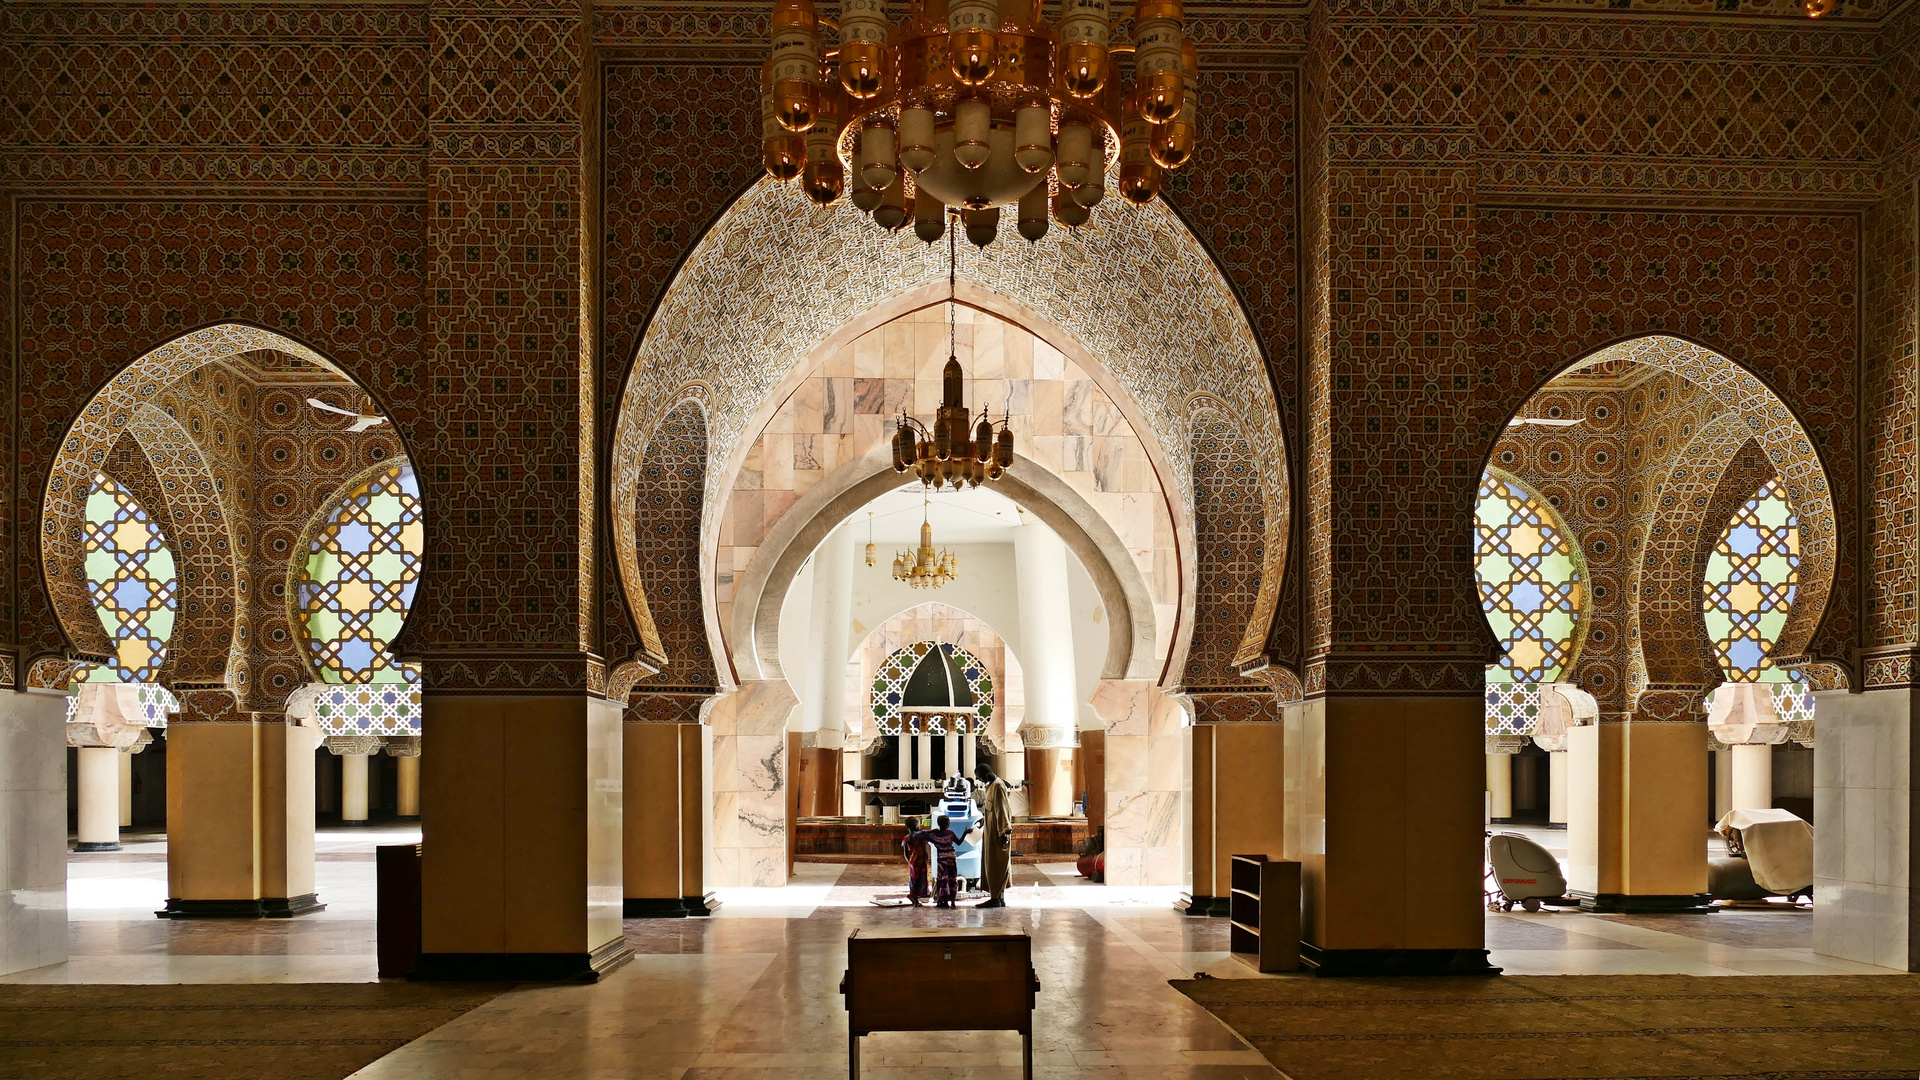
741, 321
1783, 438
129, 400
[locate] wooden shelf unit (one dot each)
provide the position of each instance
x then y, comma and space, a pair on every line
1264, 909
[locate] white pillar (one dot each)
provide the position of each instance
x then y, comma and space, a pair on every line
126, 790
970, 754
407, 797
353, 789
1557, 788
99, 799
1500, 786
1752, 777
952, 749
923, 757
903, 757
825, 704
1046, 636
1722, 783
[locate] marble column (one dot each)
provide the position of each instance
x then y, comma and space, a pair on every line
406, 800
923, 757
99, 782
1144, 755
1557, 789
950, 750
33, 828
825, 707
1047, 661
1865, 864
903, 756
1635, 791
1752, 776
750, 793
1722, 782
126, 786
1500, 788
353, 789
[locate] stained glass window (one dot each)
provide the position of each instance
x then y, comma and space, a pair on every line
1751, 576
1531, 579
131, 577
355, 584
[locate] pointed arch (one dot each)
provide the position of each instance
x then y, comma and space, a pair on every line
776, 282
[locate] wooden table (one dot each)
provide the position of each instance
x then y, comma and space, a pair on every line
939, 979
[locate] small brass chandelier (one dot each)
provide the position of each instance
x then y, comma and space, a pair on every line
925, 568
977, 105
953, 452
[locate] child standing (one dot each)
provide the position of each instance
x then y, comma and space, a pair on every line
914, 847
944, 842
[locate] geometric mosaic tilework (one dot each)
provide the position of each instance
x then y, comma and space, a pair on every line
1229, 541
1749, 582
132, 579
935, 621
890, 683
358, 578
382, 708
1512, 710
672, 479
1531, 580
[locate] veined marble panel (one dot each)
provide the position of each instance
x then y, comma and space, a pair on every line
33, 830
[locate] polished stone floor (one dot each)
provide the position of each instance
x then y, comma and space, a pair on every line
752, 991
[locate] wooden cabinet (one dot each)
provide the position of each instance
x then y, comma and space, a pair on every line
939, 979
1265, 912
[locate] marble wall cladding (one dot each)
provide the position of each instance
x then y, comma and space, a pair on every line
33, 830
1145, 756
749, 784
1062, 420
1862, 813
606, 794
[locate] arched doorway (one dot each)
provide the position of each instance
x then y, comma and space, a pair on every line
1144, 368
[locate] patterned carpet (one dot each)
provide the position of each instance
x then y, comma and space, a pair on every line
288, 1032
1610, 1027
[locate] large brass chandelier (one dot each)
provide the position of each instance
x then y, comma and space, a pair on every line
953, 451
975, 105
924, 567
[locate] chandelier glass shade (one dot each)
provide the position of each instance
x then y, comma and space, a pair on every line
977, 105
924, 567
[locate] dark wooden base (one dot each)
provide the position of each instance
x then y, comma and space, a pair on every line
841, 836
271, 907
650, 907
1334, 963
1622, 904
522, 967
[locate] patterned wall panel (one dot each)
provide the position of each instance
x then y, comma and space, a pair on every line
1649, 110
511, 601
1390, 371
1778, 293
232, 96
947, 625
1229, 535
672, 482
1891, 437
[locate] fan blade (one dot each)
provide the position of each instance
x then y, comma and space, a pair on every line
318, 404
1540, 421
365, 422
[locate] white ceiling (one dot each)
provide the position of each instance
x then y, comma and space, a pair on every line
974, 516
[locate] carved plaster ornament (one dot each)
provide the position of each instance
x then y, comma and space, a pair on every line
1743, 715
1562, 706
